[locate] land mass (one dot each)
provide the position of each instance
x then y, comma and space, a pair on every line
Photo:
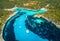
53, 14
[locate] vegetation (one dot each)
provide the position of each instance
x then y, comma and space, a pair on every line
53, 13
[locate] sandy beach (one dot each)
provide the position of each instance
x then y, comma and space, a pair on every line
9, 17
1, 39
51, 21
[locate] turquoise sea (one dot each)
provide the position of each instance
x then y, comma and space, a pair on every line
17, 29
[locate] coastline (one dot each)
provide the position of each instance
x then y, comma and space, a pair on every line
58, 26
4, 25
9, 17
36, 16
47, 19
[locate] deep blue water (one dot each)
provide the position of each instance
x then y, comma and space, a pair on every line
23, 26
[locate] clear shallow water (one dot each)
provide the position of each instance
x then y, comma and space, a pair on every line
15, 28
21, 33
